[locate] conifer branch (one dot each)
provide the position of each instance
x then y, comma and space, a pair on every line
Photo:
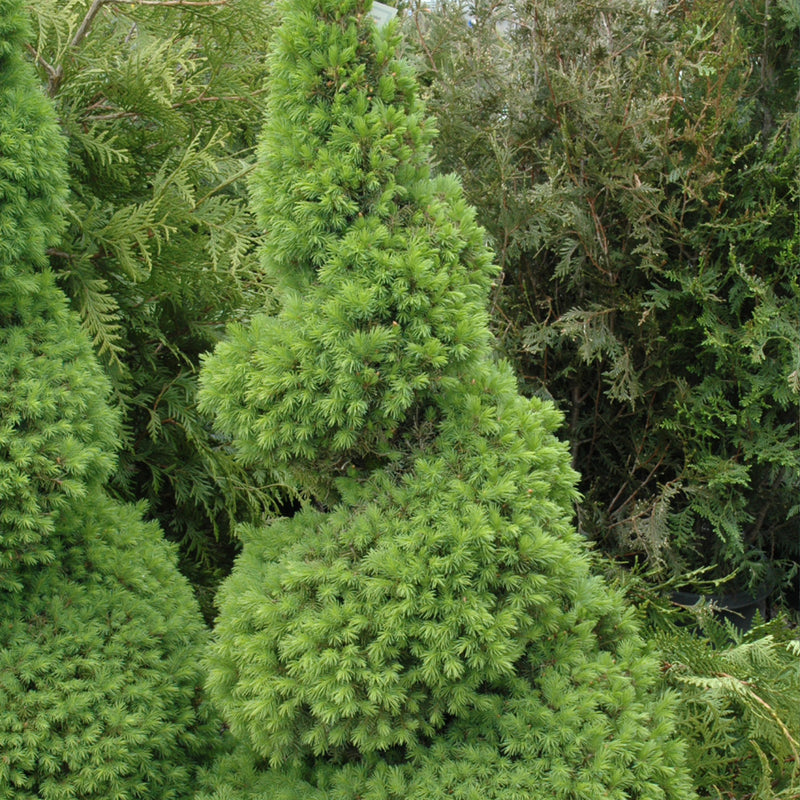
86, 23
217, 98
241, 174
638, 489
49, 68
115, 115
746, 689
57, 73
423, 43
56, 253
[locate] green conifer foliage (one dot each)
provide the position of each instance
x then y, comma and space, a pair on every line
99, 634
99, 684
428, 626
636, 165
159, 104
56, 431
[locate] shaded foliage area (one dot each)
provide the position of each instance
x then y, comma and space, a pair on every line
635, 165
160, 104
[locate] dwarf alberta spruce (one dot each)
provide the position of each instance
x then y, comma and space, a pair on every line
426, 625
99, 634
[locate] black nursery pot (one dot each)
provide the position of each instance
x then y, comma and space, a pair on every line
739, 608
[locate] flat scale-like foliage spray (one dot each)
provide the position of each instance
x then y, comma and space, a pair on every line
100, 636
427, 625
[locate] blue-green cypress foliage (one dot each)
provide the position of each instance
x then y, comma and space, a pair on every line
427, 625
99, 634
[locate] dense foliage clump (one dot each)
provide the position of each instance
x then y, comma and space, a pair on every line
159, 104
636, 166
427, 625
100, 635
738, 708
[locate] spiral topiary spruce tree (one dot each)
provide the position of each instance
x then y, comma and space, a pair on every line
99, 634
426, 626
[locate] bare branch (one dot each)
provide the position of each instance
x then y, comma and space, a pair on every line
83, 28
422, 41
51, 71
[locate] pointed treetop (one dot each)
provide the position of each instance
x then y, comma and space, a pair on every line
380, 271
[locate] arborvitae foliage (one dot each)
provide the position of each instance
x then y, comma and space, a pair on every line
738, 693
99, 634
636, 165
160, 104
738, 707
427, 626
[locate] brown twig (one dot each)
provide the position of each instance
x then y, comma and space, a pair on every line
636, 491
56, 253
86, 23
49, 68
423, 42
57, 74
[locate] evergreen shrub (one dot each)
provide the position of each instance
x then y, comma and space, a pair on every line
159, 107
57, 432
428, 624
738, 706
636, 166
99, 634
99, 682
